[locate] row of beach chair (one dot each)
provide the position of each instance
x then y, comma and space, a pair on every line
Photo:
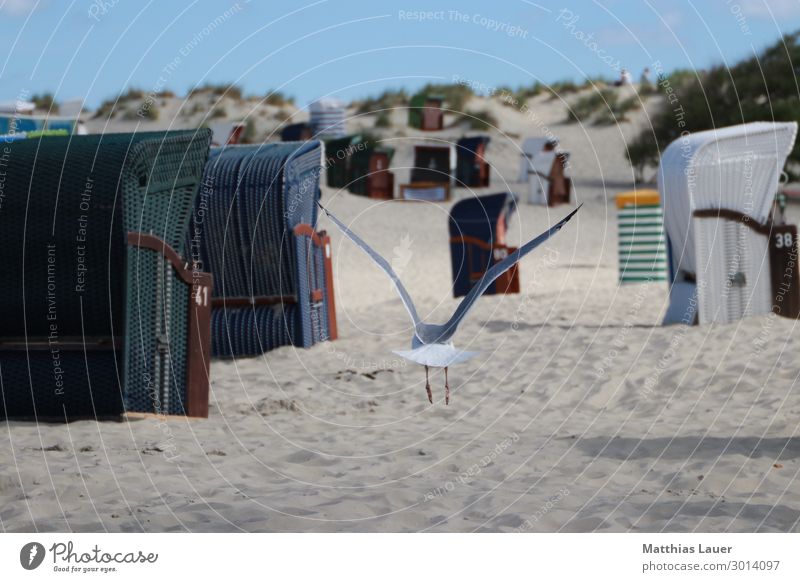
128, 256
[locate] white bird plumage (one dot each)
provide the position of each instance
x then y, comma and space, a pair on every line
430, 344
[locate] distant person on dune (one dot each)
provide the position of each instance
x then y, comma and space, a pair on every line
645, 84
624, 78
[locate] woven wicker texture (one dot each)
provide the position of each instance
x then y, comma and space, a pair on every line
242, 232
734, 167
73, 281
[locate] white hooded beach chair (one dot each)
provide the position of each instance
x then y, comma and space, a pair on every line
328, 118
538, 183
718, 188
531, 147
226, 132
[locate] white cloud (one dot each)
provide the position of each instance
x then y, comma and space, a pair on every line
770, 8
17, 7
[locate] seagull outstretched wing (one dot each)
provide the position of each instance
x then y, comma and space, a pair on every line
441, 333
382, 263
446, 331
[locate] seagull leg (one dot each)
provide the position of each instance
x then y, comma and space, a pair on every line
446, 388
428, 386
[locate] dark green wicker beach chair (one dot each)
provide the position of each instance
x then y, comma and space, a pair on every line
100, 312
337, 159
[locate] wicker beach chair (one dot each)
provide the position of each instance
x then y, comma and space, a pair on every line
433, 164
328, 118
369, 172
727, 258
532, 147
338, 157
477, 241
253, 229
100, 312
472, 169
425, 112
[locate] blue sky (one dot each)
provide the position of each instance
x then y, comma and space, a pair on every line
94, 49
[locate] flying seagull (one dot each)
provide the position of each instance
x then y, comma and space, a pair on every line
430, 344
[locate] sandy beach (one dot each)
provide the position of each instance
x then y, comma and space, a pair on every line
582, 413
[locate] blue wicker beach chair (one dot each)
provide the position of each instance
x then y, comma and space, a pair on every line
253, 230
477, 241
472, 169
100, 313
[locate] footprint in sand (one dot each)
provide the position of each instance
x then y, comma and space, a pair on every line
309, 458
